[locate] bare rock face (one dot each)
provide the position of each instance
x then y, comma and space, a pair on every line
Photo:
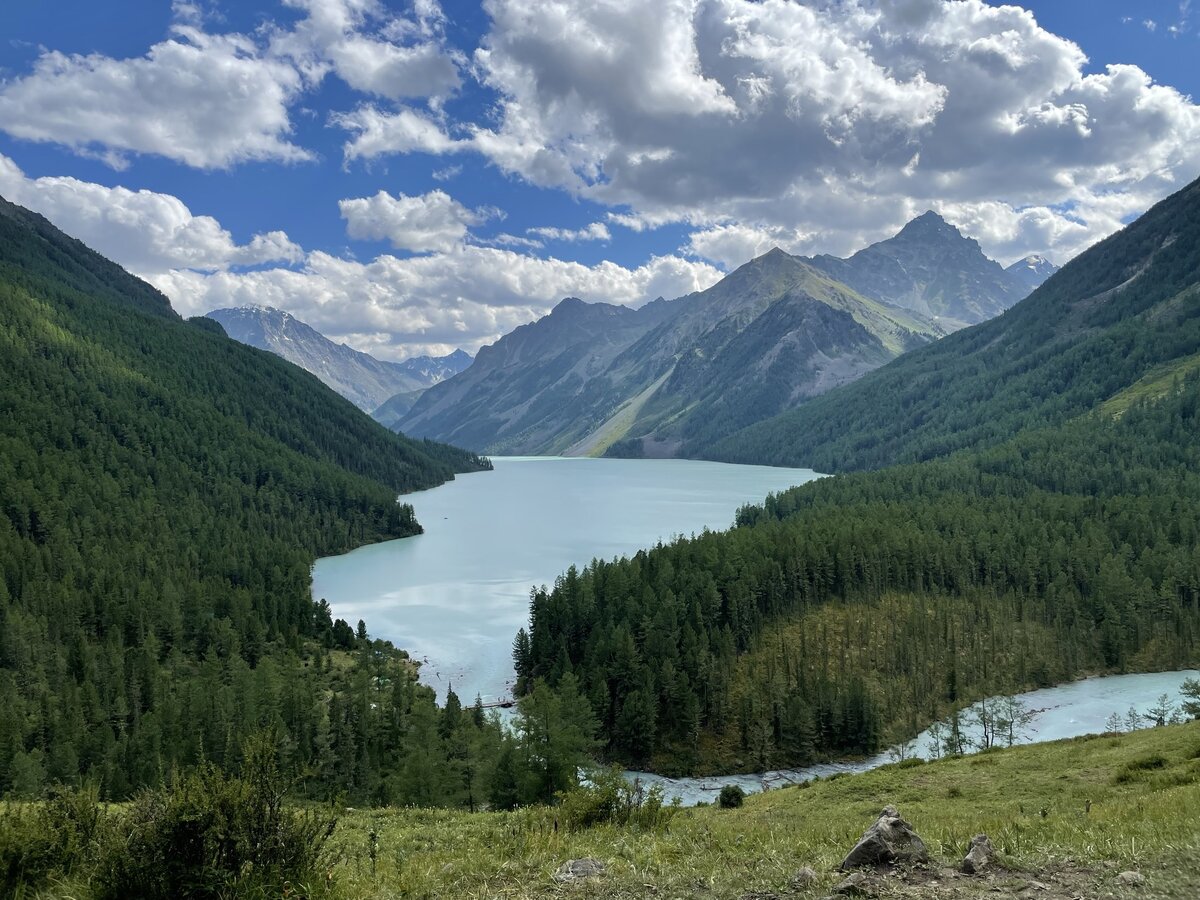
578, 870
979, 855
890, 840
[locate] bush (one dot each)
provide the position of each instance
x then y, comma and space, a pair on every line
732, 796
213, 835
53, 839
1136, 769
611, 799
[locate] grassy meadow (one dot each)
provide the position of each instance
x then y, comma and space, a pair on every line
1067, 817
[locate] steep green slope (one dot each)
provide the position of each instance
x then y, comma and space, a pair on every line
1116, 313
163, 493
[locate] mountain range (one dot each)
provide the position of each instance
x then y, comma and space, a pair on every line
674, 376
365, 381
1123, 317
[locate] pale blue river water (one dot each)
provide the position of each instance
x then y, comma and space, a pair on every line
1065, 711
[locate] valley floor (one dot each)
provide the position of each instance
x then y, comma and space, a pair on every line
1067, 818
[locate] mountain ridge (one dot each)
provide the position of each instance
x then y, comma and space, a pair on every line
596, 378
676, 376
930, 267
364, 380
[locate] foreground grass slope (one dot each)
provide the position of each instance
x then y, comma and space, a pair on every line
1069, 815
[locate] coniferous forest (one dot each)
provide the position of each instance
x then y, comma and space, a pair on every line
1066, 551
164, 493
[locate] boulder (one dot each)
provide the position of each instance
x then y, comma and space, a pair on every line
890, 840
979, 855
1131, 878
854, 885
578, 869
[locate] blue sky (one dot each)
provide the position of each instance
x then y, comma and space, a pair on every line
410, 177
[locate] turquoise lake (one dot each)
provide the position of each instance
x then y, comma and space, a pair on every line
455, 596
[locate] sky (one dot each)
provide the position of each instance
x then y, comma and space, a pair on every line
409, 176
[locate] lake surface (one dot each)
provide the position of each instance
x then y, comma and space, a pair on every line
455, 596
1066, 711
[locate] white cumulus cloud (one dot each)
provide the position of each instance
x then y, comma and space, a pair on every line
433, 221
819, 125
466, 297
596, 231
208, 101
146, 232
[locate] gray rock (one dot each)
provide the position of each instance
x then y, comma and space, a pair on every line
804, 879
890, 840
579, 869
979, 855
1131, 878
854, 885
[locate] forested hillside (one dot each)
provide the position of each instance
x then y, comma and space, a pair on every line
858, 608
164, 491
1126, 310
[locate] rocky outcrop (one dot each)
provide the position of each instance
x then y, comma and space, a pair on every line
889, 841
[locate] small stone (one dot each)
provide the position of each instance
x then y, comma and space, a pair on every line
1131, 878
805, 878
854, 885
578, 869
979, 855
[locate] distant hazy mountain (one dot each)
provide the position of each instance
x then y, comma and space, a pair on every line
392, 410
1031, 271
931, 268
362, 379
591, 378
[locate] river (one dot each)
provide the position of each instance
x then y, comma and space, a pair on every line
1069, 710
455, 596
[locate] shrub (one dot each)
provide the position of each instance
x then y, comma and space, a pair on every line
53, 839
213, 835
610, 798
1136, 769
732, 796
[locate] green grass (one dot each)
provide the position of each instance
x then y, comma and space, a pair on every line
1032, 801
1154, 385
1069, 816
